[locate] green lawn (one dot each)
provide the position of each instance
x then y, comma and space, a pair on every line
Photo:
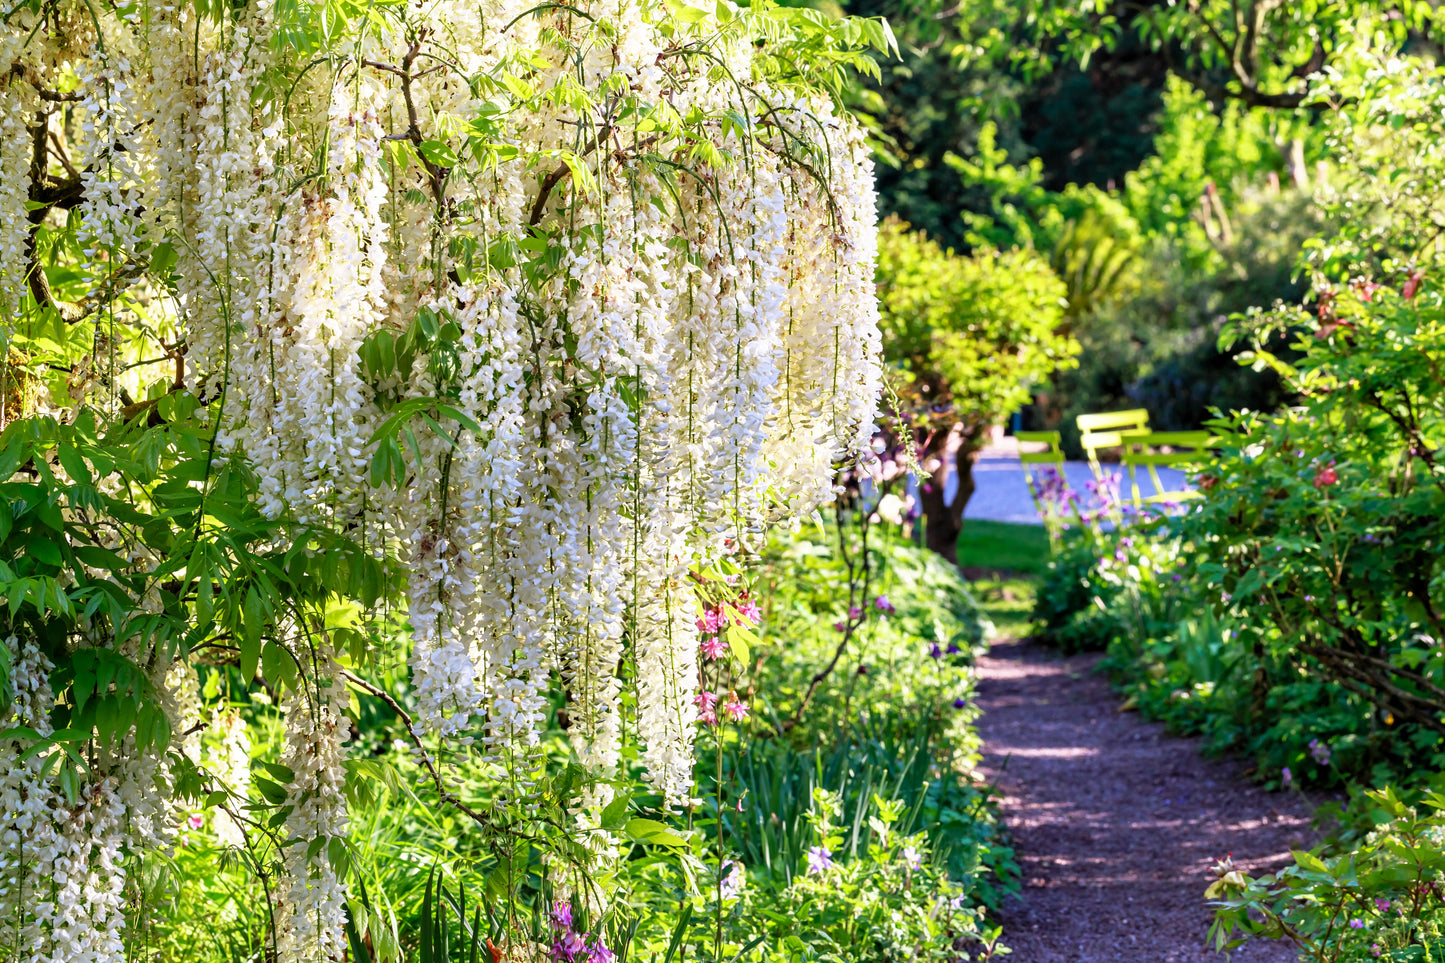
1008, 602
1004, 562
1023, 549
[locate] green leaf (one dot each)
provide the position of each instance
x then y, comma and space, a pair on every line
74, 465
250, 657
1309, 861
282, 774
740, 640
438, 153
652, 831
614, 817
270, 791
45, 551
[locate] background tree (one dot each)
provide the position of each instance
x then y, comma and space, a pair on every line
969, 336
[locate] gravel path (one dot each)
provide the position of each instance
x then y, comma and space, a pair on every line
1115, 822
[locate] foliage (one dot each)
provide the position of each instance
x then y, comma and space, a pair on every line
1261, 53
909, 633
1157, 344
847, 823
1108, 586
1204, 165
1381, 900
971, 332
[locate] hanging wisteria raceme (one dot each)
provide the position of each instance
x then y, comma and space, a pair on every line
62, 879
554, 304
312, 916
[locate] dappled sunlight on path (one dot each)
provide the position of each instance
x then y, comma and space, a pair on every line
1114, 821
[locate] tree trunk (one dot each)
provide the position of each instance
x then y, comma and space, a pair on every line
953, 451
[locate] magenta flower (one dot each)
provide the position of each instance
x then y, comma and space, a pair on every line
819, 860
196, 821
597, 952
714, 647
712, 621
1381, 903
705, 700
1357, 924
748, 611
568, 947
882, 604
841, 626
707, 717
561, 915
735, 709
854, 612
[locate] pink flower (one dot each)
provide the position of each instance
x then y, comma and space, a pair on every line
1412, 285
1381, 903
1326, 476
747, 609
714, 647
705, 700
196, 821
841, 626
735, 709
707, 717
854, 612
711, 622
882, 604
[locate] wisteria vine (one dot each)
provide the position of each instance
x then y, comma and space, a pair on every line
555, 305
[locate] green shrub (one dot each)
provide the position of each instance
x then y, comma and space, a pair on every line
1382, 900
915, 629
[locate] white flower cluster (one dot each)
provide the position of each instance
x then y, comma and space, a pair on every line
17, 105
312, 915
232, 768
61, 875
558, 308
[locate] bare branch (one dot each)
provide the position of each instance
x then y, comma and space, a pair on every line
442, 791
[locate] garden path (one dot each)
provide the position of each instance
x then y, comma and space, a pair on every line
1114, 822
